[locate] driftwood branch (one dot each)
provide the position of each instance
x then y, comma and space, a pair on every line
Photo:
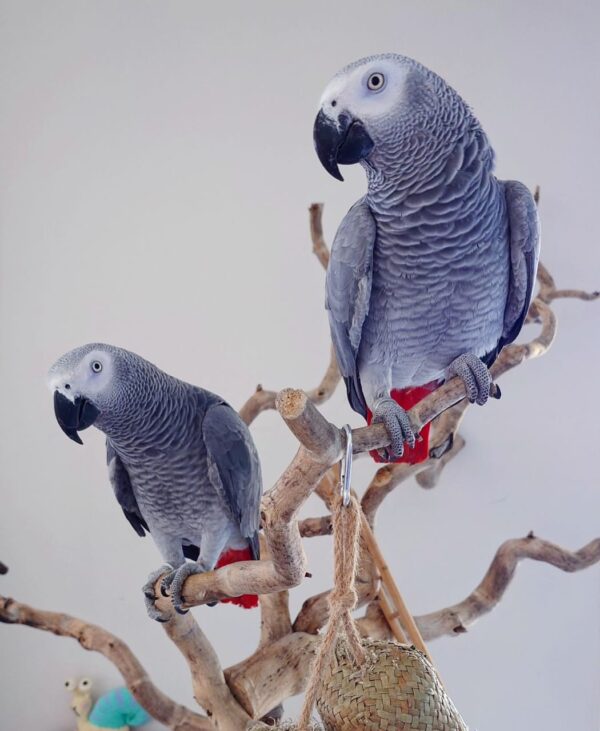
279, 666
96, 639
253, 681
456, 619
263, 400
210, 689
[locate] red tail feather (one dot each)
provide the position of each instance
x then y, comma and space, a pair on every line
247, 601
407, 398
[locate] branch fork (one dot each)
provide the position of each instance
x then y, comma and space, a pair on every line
278, 668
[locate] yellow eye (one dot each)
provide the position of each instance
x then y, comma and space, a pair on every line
376, 81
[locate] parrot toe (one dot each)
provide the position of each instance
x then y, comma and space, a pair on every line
149, 592
165, 584
177, 580
475, 375
396, 421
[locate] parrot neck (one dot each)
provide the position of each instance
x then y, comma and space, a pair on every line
420, 167
159, 410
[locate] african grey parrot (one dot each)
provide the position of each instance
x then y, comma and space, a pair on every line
182, 463
432, 272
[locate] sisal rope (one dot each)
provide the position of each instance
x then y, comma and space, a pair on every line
342, 599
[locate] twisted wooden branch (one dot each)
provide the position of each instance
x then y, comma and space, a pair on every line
262, 400
263, 681
210, 689
97, 639
277, 669
456, 618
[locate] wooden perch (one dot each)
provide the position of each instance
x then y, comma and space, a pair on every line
278, 670
456, 619
94, 638
279, 666
253, 679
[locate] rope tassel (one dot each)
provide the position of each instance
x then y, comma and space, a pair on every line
342, 600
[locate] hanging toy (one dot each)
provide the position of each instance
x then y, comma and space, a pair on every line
364, 683
117, 709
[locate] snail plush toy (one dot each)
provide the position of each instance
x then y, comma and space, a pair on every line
117, 709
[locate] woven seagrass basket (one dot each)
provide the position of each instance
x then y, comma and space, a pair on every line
395, 689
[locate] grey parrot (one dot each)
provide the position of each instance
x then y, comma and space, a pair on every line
181, 462
432, 271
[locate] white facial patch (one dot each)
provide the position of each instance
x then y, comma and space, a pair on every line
86, 377
350, 92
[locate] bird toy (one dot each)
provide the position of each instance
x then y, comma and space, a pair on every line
117, 709
364, 683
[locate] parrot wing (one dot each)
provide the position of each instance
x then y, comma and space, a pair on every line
234, 468
121, 484
348, 293
524, 244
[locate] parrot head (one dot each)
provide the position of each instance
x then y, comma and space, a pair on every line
372, 108
86, 382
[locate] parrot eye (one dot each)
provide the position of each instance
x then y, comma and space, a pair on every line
70, 684
96, 366
376, 81
85, 684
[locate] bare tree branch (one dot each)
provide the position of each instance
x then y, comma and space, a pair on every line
253, 679
278, 668
92, 637
260, 401
210, 689
310, 527
320, 248
456, 618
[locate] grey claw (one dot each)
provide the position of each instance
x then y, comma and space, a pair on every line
165, 584
150, 596
397, 424
176, 581
475, 375
441, 449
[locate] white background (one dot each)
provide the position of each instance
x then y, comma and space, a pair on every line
156, 168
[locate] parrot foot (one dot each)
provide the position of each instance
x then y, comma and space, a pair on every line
150, 595
396, 421
173, 583
474, 373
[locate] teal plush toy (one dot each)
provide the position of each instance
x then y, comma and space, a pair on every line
117, 709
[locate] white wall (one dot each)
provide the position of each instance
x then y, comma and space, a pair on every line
157, 165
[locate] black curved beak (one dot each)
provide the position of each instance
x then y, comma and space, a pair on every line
344, 143
74, 416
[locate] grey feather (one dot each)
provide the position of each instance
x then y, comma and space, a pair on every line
348, 292
121, 484
234, 469
524, 243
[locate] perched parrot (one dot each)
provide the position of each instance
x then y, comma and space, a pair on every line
432, 272
182, 463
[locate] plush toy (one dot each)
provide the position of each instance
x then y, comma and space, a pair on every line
117, 709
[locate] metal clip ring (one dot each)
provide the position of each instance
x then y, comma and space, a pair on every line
346, 467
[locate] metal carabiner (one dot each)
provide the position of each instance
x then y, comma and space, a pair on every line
346, 467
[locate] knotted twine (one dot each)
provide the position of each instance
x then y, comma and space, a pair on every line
342, 600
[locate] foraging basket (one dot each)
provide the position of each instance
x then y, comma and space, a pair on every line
396, 688
364, 683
